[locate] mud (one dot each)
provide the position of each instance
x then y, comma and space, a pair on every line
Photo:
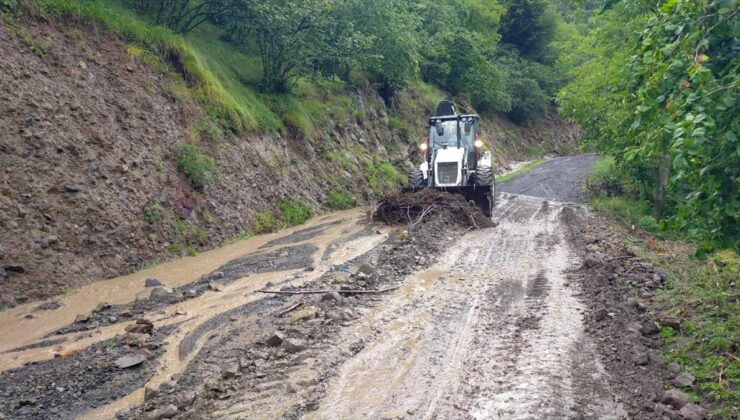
558, 179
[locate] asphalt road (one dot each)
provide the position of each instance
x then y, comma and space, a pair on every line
559, 179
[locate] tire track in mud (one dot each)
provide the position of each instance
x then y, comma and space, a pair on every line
495, 333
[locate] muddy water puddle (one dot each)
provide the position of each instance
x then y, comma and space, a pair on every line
26, 334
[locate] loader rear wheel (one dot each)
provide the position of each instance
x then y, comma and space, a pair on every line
416, 179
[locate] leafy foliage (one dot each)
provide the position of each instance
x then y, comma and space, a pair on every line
665, 104
294, 212
198, 167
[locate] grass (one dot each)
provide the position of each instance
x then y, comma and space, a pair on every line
340, 200
266, 222
520, 171
199, 167
703, 296
153, 213
384, 179
294, 212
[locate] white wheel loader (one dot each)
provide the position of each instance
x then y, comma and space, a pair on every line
454, 159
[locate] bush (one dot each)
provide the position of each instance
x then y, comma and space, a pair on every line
385, 179
197, 166
649, 224
153, 213
294, 212
265, 222
341, 200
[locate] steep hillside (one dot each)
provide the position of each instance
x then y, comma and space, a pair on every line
103, 147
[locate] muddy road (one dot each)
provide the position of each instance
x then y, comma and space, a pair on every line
526, 320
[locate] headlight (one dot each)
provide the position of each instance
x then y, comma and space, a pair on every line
478, 144
423, 147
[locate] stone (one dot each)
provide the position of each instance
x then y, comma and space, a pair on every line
42, 242
166, 412
333, 296
50, 306
167, 386
683, 380
229, 372
649, 328
669, 321
121, 414
675, 398
180, 311
215, 287
217, 275
82, 318
367, 273
276, 339
302, 314
642, 359
129, 361
160, 291
152, 283
72, 188
674, 368
184, 399
292, 345
3, 273
692, 411
601, 314
150, 393
139, 328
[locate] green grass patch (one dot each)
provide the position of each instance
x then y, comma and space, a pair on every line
294, 212
200, 168
266, 222
153, 213
385, 179
703, 296
520, 171
340, 200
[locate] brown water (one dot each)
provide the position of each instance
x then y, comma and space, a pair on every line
16, 330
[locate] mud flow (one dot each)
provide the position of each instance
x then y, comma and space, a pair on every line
66, 334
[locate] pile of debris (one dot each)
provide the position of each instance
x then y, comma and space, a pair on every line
414, 209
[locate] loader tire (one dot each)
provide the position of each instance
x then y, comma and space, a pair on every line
484, 177
416, 179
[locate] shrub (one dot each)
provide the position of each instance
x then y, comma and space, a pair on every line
340, 200
265, 222
294, 212
153, 213
197, 166
384, 179
648, 223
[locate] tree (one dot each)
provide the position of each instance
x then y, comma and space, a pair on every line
183, 16
529, 25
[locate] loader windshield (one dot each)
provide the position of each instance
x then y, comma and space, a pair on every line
448, 138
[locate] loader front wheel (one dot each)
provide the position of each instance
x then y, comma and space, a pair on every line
484, 177
416, 179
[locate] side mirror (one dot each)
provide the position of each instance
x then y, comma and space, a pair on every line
440, 129
468, 127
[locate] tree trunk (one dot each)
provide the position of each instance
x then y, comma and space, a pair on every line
663, 172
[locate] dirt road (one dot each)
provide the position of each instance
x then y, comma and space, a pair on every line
480, 324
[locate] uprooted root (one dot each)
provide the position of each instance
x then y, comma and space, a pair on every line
413, 209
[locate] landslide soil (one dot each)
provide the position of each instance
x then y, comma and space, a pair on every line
542, 316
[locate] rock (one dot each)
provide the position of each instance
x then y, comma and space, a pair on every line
184, 399
642, 359
215, 287
152, 283
649, 328
42, 242
302, 314
675, 398
167, 385
121, 414
166, 412
367, 273
50, 306
292, 345
593, 259
160, 291
129, 361
72, 188
140, 327
692, 411
674, 368
217, 275
3, 273
601, 314
670, 321
15, 268
683, 380
276, 339
150, 393
180, 311
82, 318
333, 296
229, 372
